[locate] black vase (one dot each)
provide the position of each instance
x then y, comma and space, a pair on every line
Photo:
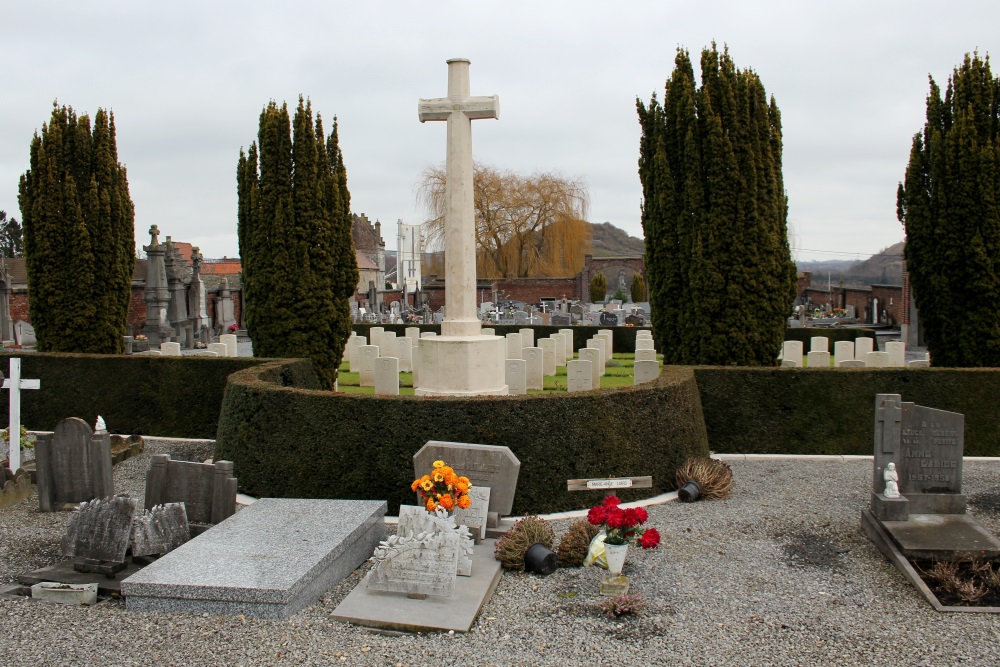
540, 559
690, 492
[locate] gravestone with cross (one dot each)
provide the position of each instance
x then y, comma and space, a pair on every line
15, 384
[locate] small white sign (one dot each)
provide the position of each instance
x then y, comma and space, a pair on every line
609, 483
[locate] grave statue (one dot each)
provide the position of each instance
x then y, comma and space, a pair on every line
891, 478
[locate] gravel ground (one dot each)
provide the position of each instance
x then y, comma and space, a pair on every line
779, 574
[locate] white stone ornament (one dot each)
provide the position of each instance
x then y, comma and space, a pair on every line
891, 478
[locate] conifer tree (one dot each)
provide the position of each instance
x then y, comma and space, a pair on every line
949, 204
79, 240
299, 267
598, 287
721, 279
638, 288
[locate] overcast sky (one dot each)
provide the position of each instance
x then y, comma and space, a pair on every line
187, 81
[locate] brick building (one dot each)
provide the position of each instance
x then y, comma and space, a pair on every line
884, 301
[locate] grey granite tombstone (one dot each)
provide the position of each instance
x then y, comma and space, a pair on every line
24, 333
73, 465
484, 465
98, 532
477, 514
560, 320
208, 490
160, 530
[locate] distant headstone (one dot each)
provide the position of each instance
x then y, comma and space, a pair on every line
559, 320
851, 363
484, 465
534, 367
644, 344
570, 342
169, 349
375, 336
548, 346
919, 363
843, 350
208, 490
877, 359
645, 355
819, 344
98, 532
897, 353
221, 349
862, 346
645, 371
600, 343
513, 346
489, 332
609, 319
230, 341
367, 354
160, 530
387, 376
527, 338
24, 334
516, 376
791, 352
818, 359
579, 376
73, 465
593, 355
561, 354
609, 347
520, 317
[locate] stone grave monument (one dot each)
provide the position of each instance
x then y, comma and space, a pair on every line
160, 530
208, 490
98, 534
73, 465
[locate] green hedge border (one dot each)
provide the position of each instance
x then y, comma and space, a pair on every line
288, 441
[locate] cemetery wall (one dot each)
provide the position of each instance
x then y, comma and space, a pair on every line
831, 411
176, 396
531, 290
292, 442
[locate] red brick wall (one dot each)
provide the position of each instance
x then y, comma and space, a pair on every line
19, 307
803, 282
531, 290
890, 299
136, 310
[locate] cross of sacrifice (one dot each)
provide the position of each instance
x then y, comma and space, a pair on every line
16, 384
459, 109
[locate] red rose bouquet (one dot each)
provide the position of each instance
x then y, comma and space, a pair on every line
623, 526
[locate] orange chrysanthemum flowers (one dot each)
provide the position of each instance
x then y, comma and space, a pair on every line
446, 502
464, 502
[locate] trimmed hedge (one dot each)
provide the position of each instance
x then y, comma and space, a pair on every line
835, 334
177, 396
290, 441
832, 411
623, 338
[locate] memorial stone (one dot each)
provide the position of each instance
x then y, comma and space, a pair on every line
609, 338
513, 346
220, 349
593, 355
600, 343
818, 359
819, 344
403, 351
160, 530
645, 371
24, 333
609, 319
73, 465
559, 320
416, 565
534, 366
98, 532
570, 346
548, 347
170, 349
579, 376
645, 355
843, 350
375, 336
484, 465
527, 338
644, 344
516, 373
877, 359
353, 347
489, 332
851, 363
919, 363
415, 519
387, 376
862, 346
231, 344
367, 354
897, 353
476, 515
560, 340
791, 352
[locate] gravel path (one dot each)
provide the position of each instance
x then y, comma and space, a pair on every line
779, 574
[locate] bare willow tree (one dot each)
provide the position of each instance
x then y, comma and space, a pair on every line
526, 226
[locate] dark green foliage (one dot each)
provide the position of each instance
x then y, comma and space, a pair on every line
292, 442
79, 241
949, 204
721, 279
165, 396
11, 237
598, 287
638, 288
832, 411
299, 267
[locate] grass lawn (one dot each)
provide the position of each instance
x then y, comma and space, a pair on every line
617, 373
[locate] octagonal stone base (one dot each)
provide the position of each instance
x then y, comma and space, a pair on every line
462, 366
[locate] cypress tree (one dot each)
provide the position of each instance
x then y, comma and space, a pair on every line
598, 287
79, 240
714, 215
299, 267
638, 288
949, 204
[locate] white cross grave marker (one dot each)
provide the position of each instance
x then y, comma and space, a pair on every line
16, 384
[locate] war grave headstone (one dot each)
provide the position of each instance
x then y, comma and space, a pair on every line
819, 344
570, 346
645, 355
269, 560
560, 348
231, 341
489, 332
579, 376
516, 376
897, 353
548, 347
593, 355
367, 354
513, 346
221, 349
644, 344
208, 490
791, 353
645, 371
387, 348
403, 351
918, 509
862, 346
877, 359
843, 350
375, 336
169, 349
533, 368
527, 338
919, 363
600, 343
387, 376
818, 359
73, 464
98, 534
851, 363
609, 346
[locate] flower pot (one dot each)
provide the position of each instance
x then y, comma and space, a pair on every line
689, 493
615, 555
540, 559
65, 593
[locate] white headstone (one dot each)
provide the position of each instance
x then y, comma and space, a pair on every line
387, 347
645, 371
877, 359
367, 354
600, 343
489, 332
413, 333
897, 353
403, 350
230, 341
513, 346
818, 359
387, 376
593, 355
375, 336
15, 384
428, 334
548, 346
517, 381
570, 347
353, 345
171, 349
534, 365
579, 376
843, 350
919, 363
791, 353
609, 343
527, 337
851, 363
222, 350
644, 344
862, 346
819, 344
643, 333
645, 355
560, 340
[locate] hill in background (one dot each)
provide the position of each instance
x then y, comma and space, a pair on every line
883, 268
609, 241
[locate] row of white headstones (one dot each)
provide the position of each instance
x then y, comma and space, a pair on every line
380, 362
226, 347
859, 353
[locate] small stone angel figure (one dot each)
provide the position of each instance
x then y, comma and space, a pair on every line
891, 478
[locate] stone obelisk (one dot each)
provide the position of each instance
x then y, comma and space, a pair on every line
461, 361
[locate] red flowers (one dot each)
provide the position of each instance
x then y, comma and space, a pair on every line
622, 526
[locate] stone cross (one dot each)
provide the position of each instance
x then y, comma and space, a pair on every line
16, 384
890, 414
154, 231
459, 109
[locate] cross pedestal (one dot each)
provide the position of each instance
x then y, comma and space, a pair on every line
461, 361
